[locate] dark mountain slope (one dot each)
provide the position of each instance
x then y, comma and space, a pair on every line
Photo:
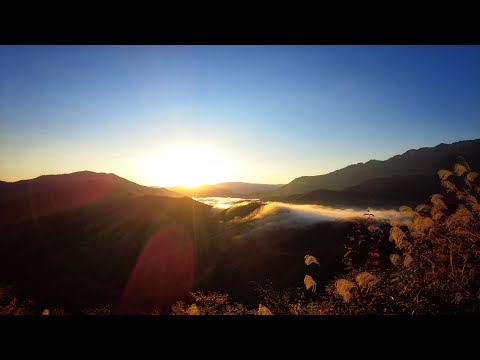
29, 199
380, 192
423, 161
87, 255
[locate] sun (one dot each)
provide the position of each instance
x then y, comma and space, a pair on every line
189, 166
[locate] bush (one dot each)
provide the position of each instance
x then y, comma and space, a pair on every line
213, 303
433, 265
11, 304
98, 310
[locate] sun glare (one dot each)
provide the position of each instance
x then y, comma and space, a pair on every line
189, 166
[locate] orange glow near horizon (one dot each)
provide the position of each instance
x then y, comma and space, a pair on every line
188, 166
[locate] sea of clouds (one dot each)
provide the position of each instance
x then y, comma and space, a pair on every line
282, 215
222, 203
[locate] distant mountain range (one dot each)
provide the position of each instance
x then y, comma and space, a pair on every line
47, 194
410, 176
389, 192
227, 189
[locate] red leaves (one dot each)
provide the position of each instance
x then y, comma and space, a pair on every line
349, 251
213, 298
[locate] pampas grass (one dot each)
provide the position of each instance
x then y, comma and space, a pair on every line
309, 259
408, 261
437, 201
263, 310
193, 310
460, 169
436, 213
459, 218
420, 225
422, 207
395, 259
407, 210
365, 279
444, 174
449, 186
471, 176
397, 236
310, 283
343, 287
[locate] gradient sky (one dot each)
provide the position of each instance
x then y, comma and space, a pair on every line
263, 114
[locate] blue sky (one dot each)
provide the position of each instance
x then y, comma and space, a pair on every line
256, 113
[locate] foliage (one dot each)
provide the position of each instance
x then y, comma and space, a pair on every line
366, 245
11, 304
98, 310
434, 264
289, 302
213, 303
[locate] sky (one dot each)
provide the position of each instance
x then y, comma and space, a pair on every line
185, 115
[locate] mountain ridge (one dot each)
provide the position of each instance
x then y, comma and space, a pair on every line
388, 192
235, 189
47, 194
422, 161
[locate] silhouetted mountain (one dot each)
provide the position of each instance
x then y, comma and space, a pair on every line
247, 188
205, 190
133, 251
388, 192
47, 194
423, 161
228, 189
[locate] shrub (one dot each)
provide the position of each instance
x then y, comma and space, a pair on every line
213, 303
98, 310
432, 262
11, 304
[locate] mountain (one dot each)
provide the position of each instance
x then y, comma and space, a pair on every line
205, 190
48, 194
246, 188
227, 189
424, 161
85, 239
386, 192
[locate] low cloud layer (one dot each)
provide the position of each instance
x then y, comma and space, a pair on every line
277, 215
221, 202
